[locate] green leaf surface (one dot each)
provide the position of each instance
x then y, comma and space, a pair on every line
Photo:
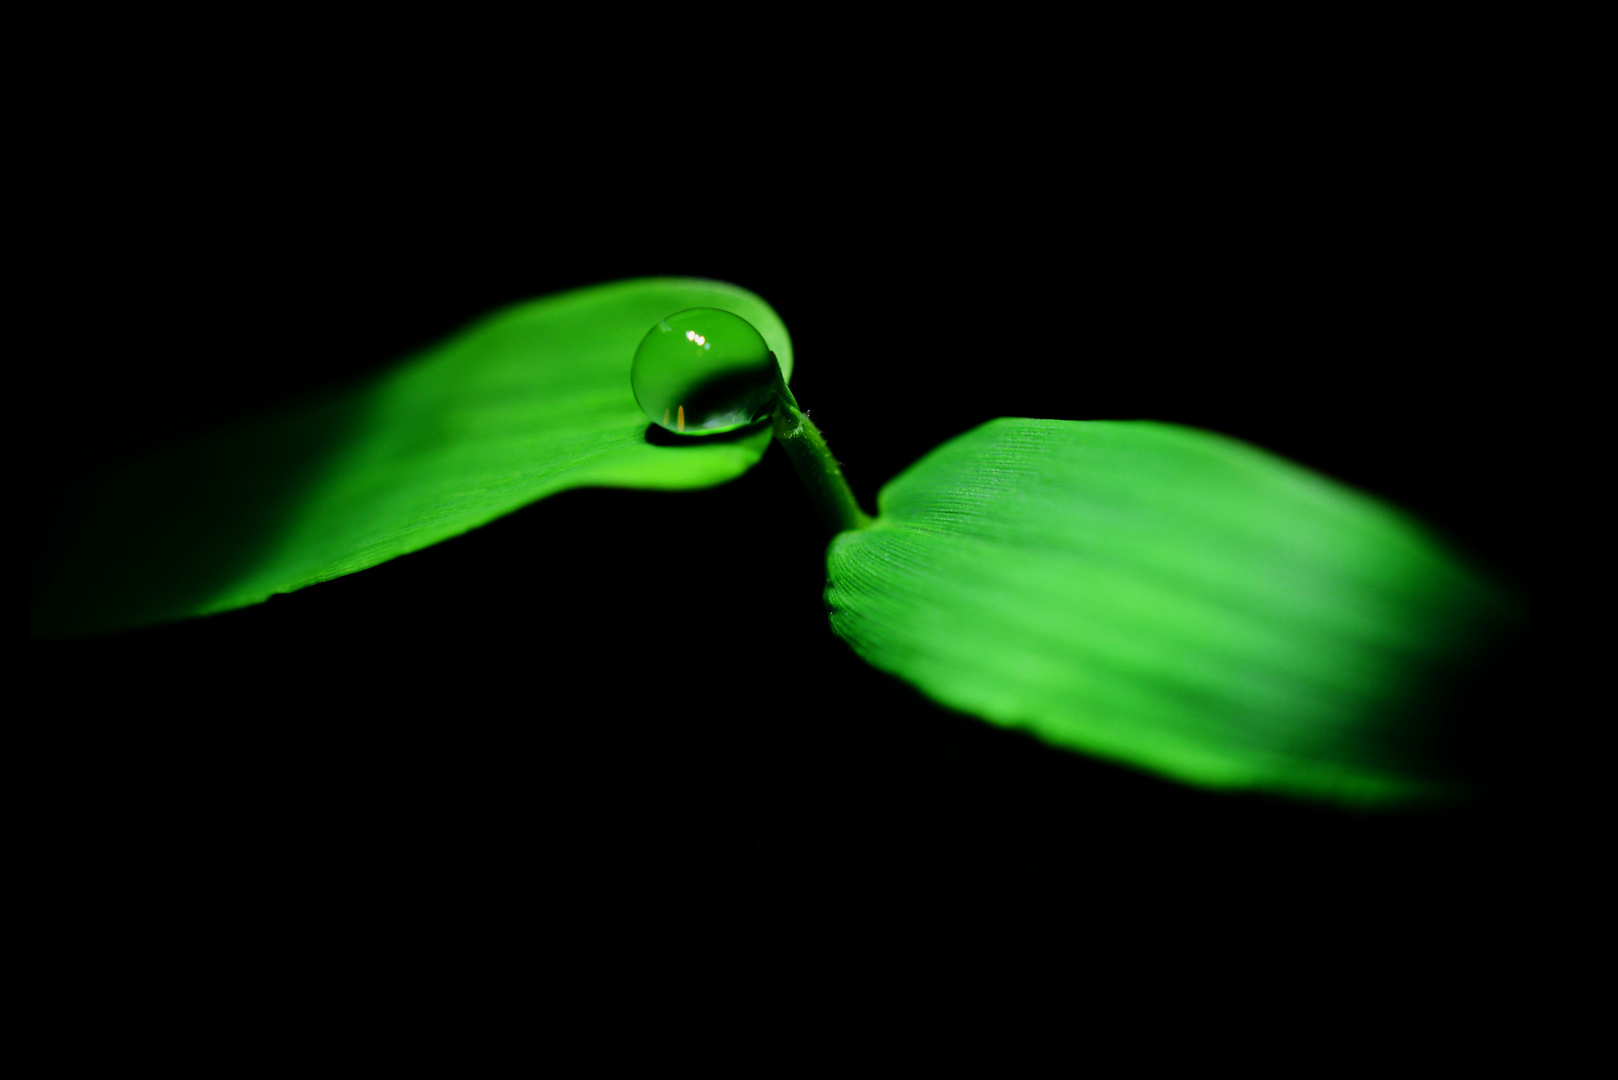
528, 402
1171, 599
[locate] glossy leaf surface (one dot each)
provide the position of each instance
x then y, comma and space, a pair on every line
528, 402
1166, 598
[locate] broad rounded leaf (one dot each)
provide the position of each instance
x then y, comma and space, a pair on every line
1167, 598
528, 402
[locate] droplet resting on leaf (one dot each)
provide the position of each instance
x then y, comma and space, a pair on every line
527, 402
704, 371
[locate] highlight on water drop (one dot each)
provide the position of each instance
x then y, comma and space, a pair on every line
704, 371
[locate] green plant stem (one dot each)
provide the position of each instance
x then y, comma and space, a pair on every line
828, 489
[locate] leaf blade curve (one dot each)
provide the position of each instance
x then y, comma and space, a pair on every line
1169, 599
525, 403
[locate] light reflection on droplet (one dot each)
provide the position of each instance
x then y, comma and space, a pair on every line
728, 381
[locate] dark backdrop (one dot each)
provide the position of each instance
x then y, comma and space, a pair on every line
507, 707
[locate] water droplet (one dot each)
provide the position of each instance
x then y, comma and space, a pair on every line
702, 371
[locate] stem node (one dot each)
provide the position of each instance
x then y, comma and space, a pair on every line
812, 458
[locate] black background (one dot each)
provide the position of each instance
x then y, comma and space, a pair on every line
507, 706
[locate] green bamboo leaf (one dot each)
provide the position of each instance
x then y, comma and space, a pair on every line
528, 402
1166, 598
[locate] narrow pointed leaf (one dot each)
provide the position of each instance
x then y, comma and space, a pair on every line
1167, 598
528, 402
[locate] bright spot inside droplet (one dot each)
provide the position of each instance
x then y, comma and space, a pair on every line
703, 371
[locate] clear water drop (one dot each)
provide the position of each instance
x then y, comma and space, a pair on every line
703, 371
